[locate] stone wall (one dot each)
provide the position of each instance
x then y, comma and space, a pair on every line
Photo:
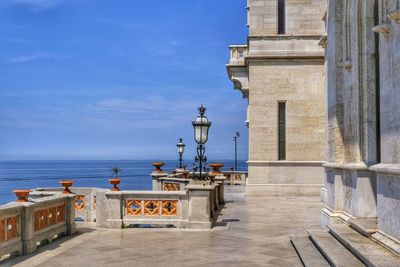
363, 78
302, 17
284, 68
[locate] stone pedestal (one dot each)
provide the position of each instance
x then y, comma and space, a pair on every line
221, 190
200, 206
155, 176
109, 210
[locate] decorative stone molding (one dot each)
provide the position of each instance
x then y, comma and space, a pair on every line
384, 168
383, 28
395, 15
323, 41
352, 166
285, 163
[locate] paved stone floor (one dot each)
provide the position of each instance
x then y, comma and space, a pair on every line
250, 232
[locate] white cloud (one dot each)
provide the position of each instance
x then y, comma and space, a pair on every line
28, 58
37, 5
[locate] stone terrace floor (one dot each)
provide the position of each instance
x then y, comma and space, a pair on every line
249, 232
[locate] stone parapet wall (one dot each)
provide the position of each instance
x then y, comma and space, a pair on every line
24, 226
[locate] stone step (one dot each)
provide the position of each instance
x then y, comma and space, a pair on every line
366, 227
369, 252
335, 253
308, 252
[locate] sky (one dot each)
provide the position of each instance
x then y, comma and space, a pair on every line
118, 79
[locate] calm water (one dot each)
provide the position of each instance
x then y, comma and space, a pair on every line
33, 174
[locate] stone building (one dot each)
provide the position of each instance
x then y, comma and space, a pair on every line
281, 73
363, 86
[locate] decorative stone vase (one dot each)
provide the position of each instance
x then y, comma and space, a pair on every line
216, 166
66, 184
22, 194
115, 182
158, 165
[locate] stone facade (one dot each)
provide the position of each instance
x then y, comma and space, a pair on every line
363, 81
286, 67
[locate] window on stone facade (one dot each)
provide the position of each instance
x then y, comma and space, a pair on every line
281, 17
282, 130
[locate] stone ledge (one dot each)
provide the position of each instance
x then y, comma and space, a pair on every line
257, 190
285, 54
384, 168
387, 241
353, 166
285, 163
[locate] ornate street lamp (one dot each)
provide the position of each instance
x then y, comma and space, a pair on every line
181, 148
201, 126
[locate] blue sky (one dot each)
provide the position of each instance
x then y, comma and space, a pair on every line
117, 79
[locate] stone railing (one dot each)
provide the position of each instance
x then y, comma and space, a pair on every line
194, 207
237, 54
84, 200
25, 225
42, 214
235, 177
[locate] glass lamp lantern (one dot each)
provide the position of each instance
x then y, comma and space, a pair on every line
201, 126
181, 146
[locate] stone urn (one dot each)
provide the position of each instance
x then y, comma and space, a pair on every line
158, 165
115, 182
66, 184
185, 175
216, 168
22, 194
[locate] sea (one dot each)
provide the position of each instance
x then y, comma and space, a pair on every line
135, 174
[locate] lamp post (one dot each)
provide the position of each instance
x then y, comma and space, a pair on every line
181, 148
235, 137
201, 126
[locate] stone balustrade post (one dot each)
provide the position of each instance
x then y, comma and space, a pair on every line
200, 206
221, 189
70, 215
157, 183
27, 229
109, 209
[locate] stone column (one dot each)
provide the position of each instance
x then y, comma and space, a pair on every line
221, 190
109, 209
200, 213
155, 176
27, 229
70, 215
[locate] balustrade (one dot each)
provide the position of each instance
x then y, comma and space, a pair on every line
237, 54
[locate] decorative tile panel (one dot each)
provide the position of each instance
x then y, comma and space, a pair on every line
44, 218
2, 230
12, 230
60, 213
52, 216
48, 216
134, 207
171, 187
151, 207
169, 207
79, 201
